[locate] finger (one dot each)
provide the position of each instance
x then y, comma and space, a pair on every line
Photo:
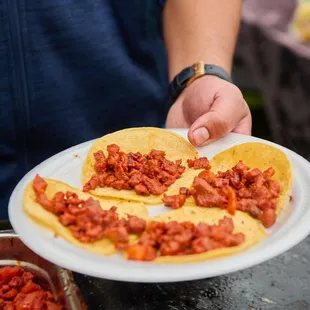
224, 117
245, 126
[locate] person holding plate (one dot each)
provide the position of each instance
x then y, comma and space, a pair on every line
74, 71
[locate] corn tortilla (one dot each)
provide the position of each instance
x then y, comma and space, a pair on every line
257, 155
45, 218
262, 156
143, 140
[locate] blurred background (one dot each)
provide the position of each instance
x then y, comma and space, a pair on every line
272, 68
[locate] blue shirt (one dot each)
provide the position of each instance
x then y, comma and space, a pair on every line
74, 70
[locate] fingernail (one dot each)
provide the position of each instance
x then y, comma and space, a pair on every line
201, 135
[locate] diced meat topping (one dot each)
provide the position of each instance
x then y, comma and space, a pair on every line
145, 174
177, 201
136, 225
174, 201
86, 219
89, 223
174, 238
185, 191
239, 188
19, 289
199, 163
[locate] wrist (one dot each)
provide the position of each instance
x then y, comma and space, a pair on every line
188, 75
217, 61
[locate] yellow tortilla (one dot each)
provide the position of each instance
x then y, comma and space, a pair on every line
262, 156
41, 216
253, 231
143, 140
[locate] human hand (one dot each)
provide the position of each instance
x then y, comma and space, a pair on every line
211, 108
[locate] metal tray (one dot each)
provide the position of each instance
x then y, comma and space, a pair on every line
59, 281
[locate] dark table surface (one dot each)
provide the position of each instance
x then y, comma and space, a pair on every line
281, 283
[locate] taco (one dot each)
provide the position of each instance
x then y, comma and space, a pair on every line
138, 164
252, 177
81, 219
195, 234
261, 156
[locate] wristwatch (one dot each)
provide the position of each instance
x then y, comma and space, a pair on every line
190, 74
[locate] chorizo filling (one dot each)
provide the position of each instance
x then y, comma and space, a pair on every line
89, 223
183, 238
85, 218
19, 289
251, 191
146, 174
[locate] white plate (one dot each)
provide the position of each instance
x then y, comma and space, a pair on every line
292, 226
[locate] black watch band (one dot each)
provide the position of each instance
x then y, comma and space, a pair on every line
190, 74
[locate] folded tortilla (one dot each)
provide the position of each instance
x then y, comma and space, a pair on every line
243, 223
143, 140
50, 221
256, 155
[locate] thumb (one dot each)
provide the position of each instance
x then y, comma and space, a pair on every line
224, 116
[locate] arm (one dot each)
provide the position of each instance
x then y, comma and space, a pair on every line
205, 30
200, 30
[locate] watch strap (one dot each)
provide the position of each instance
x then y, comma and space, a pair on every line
188, 75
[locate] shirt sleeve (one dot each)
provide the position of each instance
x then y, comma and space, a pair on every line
161, 3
